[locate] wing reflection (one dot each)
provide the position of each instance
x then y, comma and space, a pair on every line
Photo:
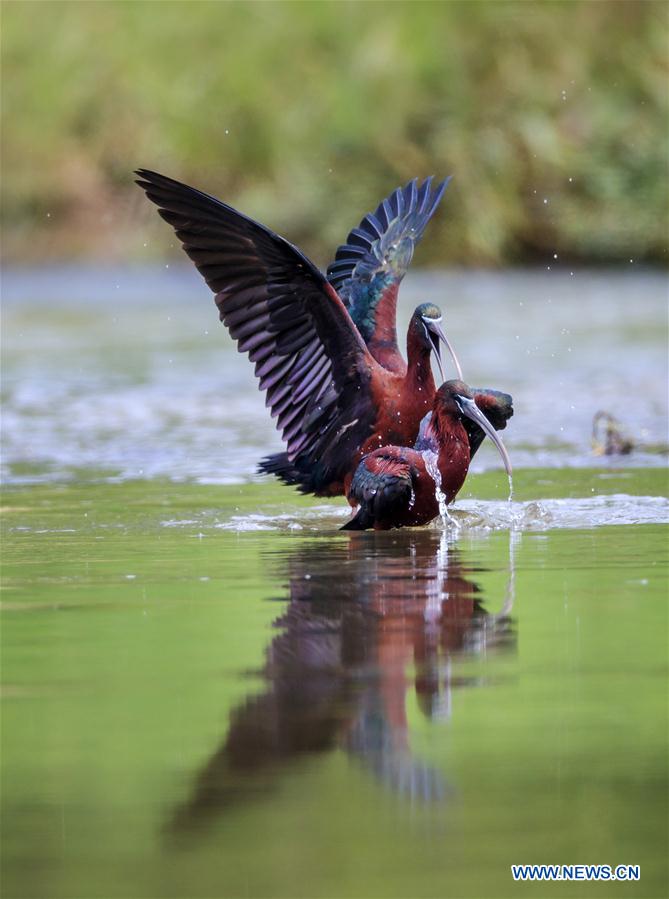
368, 618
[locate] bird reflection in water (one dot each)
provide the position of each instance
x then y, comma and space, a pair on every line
366, 618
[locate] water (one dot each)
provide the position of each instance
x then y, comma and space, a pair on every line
191, 710
471, 514
209, 690
431, 459
131, 374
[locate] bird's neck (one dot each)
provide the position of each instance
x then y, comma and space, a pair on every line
419, 365
450, 439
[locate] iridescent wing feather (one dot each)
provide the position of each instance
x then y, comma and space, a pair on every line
369, 267
308, 355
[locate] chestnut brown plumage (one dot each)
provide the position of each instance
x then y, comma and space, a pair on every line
395, 486
333, 399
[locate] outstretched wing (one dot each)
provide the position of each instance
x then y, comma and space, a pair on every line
369, 267
282, 311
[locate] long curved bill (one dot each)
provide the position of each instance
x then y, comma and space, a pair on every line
471, 410
436, 335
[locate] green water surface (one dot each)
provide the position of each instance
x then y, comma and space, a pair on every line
195, 711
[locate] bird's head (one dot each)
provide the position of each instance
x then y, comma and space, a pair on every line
426, 321
456, 399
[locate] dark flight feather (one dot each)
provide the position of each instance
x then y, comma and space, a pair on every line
377, 254
285, 314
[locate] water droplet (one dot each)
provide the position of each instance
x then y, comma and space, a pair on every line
430, 458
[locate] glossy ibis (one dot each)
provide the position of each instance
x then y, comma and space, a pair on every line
325, 348
396, 486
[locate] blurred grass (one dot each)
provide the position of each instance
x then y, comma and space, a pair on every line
552, 116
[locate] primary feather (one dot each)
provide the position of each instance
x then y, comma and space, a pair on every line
282, 311
369, 267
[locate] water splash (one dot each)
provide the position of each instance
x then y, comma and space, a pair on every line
471, 516
572, 512
430, 458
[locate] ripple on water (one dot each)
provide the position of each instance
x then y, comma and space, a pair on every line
488, 515
585, 512
316, 518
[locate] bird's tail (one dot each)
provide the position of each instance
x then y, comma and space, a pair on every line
280, 465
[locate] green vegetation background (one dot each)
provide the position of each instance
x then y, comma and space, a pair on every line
552, 117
